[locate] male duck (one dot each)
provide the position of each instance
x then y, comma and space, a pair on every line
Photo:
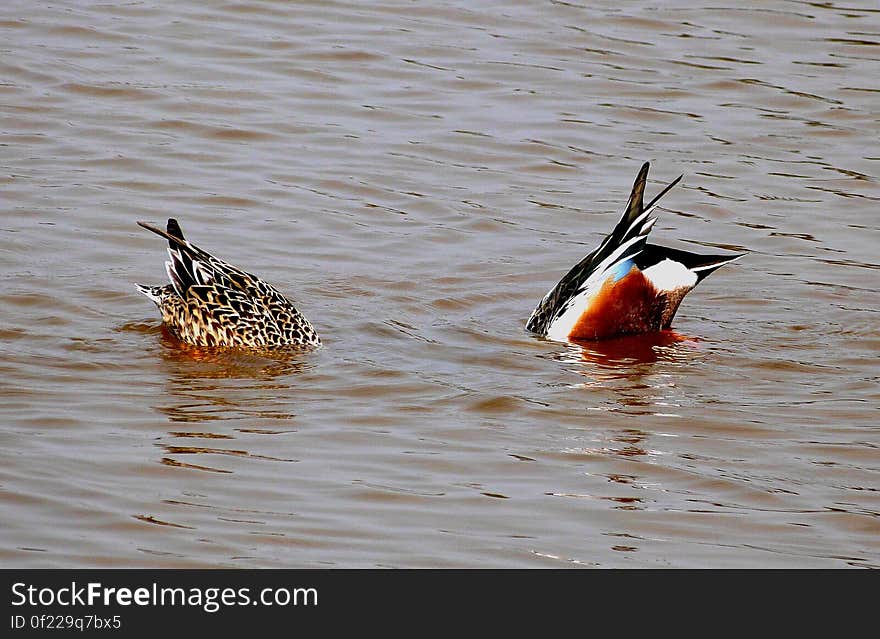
212, 303
626, 286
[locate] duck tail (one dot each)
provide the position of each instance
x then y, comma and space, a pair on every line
153, 292
180, 269
713, 263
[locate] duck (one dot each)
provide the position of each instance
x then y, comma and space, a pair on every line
626, 286
212, 303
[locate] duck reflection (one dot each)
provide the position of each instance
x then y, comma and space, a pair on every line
209, 384
212, 384
253, 389
621, 354
231, 363
633, 349
640, 369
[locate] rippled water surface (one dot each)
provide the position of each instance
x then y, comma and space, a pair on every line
416, 176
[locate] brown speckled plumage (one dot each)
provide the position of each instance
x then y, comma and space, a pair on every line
212, 303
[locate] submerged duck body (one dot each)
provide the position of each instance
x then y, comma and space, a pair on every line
212, 303
625, 286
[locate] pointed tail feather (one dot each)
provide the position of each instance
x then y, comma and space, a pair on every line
636, 221
653, 202
634, 208
181, 270
631, 232
635, 205
173, 228
150, 291
636, 212
717, 261
173, 234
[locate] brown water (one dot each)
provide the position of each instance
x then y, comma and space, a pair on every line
416, 176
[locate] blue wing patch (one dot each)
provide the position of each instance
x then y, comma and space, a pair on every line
620, 271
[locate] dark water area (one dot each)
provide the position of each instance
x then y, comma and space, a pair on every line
416, 176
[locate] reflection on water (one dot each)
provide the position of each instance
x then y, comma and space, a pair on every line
206, 385
215, 384
211, 384
640, 369
626, 443
194, 363
624, 353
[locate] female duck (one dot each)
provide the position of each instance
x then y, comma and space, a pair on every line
212, 303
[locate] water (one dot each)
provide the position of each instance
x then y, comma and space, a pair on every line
416, 176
